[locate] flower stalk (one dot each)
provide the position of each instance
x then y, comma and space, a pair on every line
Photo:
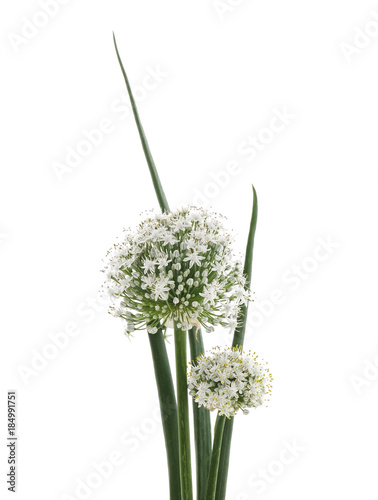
215, 456
183, 414
202, 423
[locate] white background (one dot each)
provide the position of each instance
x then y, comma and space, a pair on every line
225, 71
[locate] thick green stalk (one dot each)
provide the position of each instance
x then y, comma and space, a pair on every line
215, 456
168, 409
183, 414
151, 164
237, 340
202, 424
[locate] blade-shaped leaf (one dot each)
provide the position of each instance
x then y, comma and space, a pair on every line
238, 340
242, 320
163, 374
168, 409
151, 164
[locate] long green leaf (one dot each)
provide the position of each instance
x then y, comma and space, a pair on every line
168, 409
237, 340
163, 374
240, 330
151, 164
202, 424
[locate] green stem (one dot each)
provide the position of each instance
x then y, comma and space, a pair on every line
215, 456
168, 410
183, 414
202, 424
224, 460
238, 340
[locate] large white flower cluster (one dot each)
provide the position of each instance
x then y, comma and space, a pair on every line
228, 379
176, 266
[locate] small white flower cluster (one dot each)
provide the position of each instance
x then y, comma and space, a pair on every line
177, 266
228, 379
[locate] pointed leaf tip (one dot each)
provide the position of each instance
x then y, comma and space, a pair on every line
146, 149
